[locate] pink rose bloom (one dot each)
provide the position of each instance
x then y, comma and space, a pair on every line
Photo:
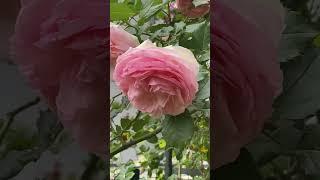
158, 80
120, 42
247, 76
60, 47
187, 8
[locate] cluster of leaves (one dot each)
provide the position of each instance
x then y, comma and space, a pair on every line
289, 147
24, 147
182, 139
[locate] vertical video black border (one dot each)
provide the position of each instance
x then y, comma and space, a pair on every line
211, 86
108, 90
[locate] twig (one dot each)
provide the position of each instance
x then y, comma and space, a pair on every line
134, 142
114, 97
11, 115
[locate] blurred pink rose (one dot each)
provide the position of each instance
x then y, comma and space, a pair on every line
158, 80
187, 8
246, 74
120, 42
60, 47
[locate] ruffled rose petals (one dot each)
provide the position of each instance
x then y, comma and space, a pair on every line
60, 47
246, 73
158, 80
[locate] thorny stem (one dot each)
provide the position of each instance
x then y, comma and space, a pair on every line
134, 142
114, 97
10, 116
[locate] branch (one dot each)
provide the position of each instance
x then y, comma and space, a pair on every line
114, 97
11, 115
134, 142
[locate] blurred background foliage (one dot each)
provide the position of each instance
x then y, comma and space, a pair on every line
289, 147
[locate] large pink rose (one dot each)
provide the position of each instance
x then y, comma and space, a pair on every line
246, 74
187, 8
158, 80
120, 42
61, 48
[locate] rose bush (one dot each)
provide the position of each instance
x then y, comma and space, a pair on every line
60, 47
120, 42
160, 92
246, 74
158, 80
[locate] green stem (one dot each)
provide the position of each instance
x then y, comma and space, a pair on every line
114, 97
11, 115
134, 142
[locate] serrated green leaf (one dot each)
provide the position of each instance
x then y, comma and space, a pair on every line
297, 35
150, 9
15, 161
178, 130
301, 95
125, 122
204, 90
120, 11
138, 124
197, 36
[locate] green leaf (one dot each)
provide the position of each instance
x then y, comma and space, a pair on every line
149, 10
178, 130
179, 26
118, 129
204, 89
15, 161
197, 36
125, 122
301, 95
138, 5
138, 124
163, 32
296, 37
120, 11
203, 74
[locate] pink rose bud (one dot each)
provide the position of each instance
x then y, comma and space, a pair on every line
187, 8
158, 80
247, 75
120, 42
60, 47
